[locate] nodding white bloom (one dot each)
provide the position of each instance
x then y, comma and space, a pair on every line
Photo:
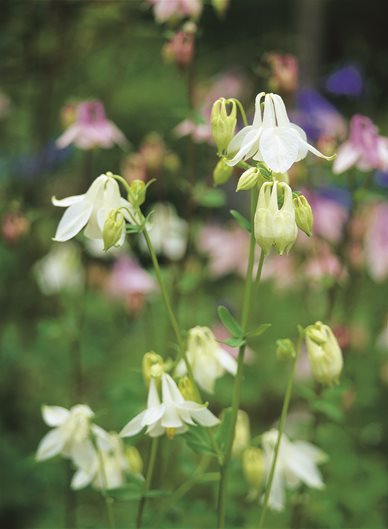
72, 431
324, 352
207, 359
297, 463
275, 226
103, 465
171, 415
271, 138
91, 210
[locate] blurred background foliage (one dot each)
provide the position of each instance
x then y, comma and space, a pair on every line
54, 52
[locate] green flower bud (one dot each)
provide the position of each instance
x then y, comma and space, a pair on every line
242, 434
112, 233
303, 215
249, 179
275, 226
222, 123
153, 366
137, 193
253, 464
325, 354
187, 389
285, 349
134, 459
222, 172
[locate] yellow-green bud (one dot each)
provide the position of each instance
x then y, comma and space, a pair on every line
137, 193
303, 215
249, 179
222, 172
187, 389
242, 434
325, 354
275, 226
285, 349
253, 464
113, 229
153, 366
220, 6
223, 124
134, 459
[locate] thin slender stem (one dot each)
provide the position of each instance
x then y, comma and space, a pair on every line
283, 417
246, 309
242, 111
150, 471
104, 488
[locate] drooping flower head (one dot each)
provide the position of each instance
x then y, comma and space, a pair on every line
91, 210
297, 463
169, 415
91, 129
271, 138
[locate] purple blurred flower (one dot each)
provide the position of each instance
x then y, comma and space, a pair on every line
364, 148
376, 243
317, 116
345, 81
91, 129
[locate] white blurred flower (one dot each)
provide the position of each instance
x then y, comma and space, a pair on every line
207, 359
172, 415
167, 231
61, 269
271, 138
297, 463
91, 210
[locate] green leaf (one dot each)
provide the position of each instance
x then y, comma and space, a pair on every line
236, 341
264, 170
198, 439
243, 222
229, 322
331, 411
260, 329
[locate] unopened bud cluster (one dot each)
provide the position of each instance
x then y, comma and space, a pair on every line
223, 122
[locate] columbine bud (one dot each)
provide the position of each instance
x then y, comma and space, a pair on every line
137, 193
223, 124
254, 468
275, 226
187, 389
242, 434
222, 172
112, 232
285, 349
249, 179
325, 354
303, 215
220, 6
153, 366
134, 459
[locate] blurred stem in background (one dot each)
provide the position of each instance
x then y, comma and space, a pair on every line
246, 310
150, 471
283, 417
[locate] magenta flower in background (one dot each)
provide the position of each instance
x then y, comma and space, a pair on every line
130, 282
364, 148
180, 48
227, 250
165, 10
91, 129
376, 243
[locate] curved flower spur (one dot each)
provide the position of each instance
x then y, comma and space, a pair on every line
271, 138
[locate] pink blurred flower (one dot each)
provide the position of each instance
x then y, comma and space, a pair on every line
130, 282
323, 264
14, 226
165, 10
91, 129
376, 243
329, 217
227, 249
281, 270
285, 72
199, 132
364, 148
180, 48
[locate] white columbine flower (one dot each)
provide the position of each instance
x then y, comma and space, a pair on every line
207, 359
91, 210
271, 138
72, 430
172, 415
297, 463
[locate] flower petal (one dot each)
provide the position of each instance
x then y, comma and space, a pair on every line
73, 220
134, 426
68, 201
226, 360
257, 118
85, 456
51, 445
279, 147
280, 111
170, 391
153, 399
347, 156
171, 417
199, 413
245, 142
153, 415
80, 480
54, 415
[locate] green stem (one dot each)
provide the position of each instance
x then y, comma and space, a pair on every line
246, 309
104, 488
150, 471
283, 417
